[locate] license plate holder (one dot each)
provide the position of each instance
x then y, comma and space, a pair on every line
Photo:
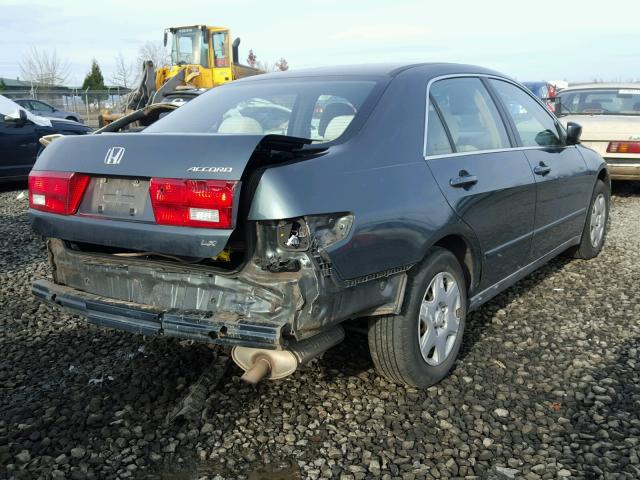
119, 198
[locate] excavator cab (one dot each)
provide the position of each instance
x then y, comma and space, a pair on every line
201, 57
203, 52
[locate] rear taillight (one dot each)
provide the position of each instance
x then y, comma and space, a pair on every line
192, 203
56, 192
623, 147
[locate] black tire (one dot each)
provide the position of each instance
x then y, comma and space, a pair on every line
586, 249
394, 339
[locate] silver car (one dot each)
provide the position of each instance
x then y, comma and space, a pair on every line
609, 114
43, 109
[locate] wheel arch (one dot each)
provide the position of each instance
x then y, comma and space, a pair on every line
466, 249
603, 174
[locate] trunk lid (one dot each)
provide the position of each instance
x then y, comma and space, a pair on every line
601, 128
145, 155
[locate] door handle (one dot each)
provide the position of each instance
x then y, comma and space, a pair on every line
541, 169
464, 180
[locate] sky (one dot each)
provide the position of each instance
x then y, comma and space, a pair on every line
545, 40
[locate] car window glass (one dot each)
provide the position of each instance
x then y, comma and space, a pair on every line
609, 101
259, 115
470, 114
36, 105
321, 110
534, 125
437, 141
331, 116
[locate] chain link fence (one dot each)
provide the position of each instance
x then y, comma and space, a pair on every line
87, 104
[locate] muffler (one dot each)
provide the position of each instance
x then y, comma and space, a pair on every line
259, 363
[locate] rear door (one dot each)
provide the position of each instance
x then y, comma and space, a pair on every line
488, 183
563, 185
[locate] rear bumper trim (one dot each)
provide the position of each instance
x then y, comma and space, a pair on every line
224, 329
141, 236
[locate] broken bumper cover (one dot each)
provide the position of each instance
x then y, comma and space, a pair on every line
146, 320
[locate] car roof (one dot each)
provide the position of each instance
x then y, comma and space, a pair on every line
28, 100
372, 69
590, 86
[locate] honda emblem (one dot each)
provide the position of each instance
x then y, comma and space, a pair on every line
114, 155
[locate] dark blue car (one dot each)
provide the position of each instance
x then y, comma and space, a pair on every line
253, 218
19, 135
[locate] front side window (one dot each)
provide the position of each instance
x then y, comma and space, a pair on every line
41, 106
320, 110
535, 126
471, 117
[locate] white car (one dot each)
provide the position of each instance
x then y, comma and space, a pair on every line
610, 117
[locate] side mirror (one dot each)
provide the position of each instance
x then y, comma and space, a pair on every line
17, 121
165, 38
574, 131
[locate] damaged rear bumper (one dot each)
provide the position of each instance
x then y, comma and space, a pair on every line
146, 320
252, 307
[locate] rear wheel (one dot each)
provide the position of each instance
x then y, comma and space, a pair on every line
420, 346
595, 228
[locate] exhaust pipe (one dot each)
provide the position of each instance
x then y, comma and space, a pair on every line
259, 363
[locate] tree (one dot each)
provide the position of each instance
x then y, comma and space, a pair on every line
265, 66
154, 52
123, 75
94, 81
282, 64
44, 67
252, 59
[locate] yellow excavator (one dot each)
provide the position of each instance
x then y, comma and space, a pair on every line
202, 57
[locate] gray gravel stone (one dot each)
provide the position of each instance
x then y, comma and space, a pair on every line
559, 353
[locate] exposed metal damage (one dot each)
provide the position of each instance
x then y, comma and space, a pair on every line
272, 302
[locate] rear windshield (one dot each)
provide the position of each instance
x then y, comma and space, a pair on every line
599, 101
322, 110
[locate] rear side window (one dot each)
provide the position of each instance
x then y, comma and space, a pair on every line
535, 126
470, 114
437, 141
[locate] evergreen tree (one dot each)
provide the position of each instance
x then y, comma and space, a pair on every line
95, 81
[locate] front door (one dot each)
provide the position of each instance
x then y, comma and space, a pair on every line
563, 185
489, 184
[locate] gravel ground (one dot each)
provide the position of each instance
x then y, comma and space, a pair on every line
548, 386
